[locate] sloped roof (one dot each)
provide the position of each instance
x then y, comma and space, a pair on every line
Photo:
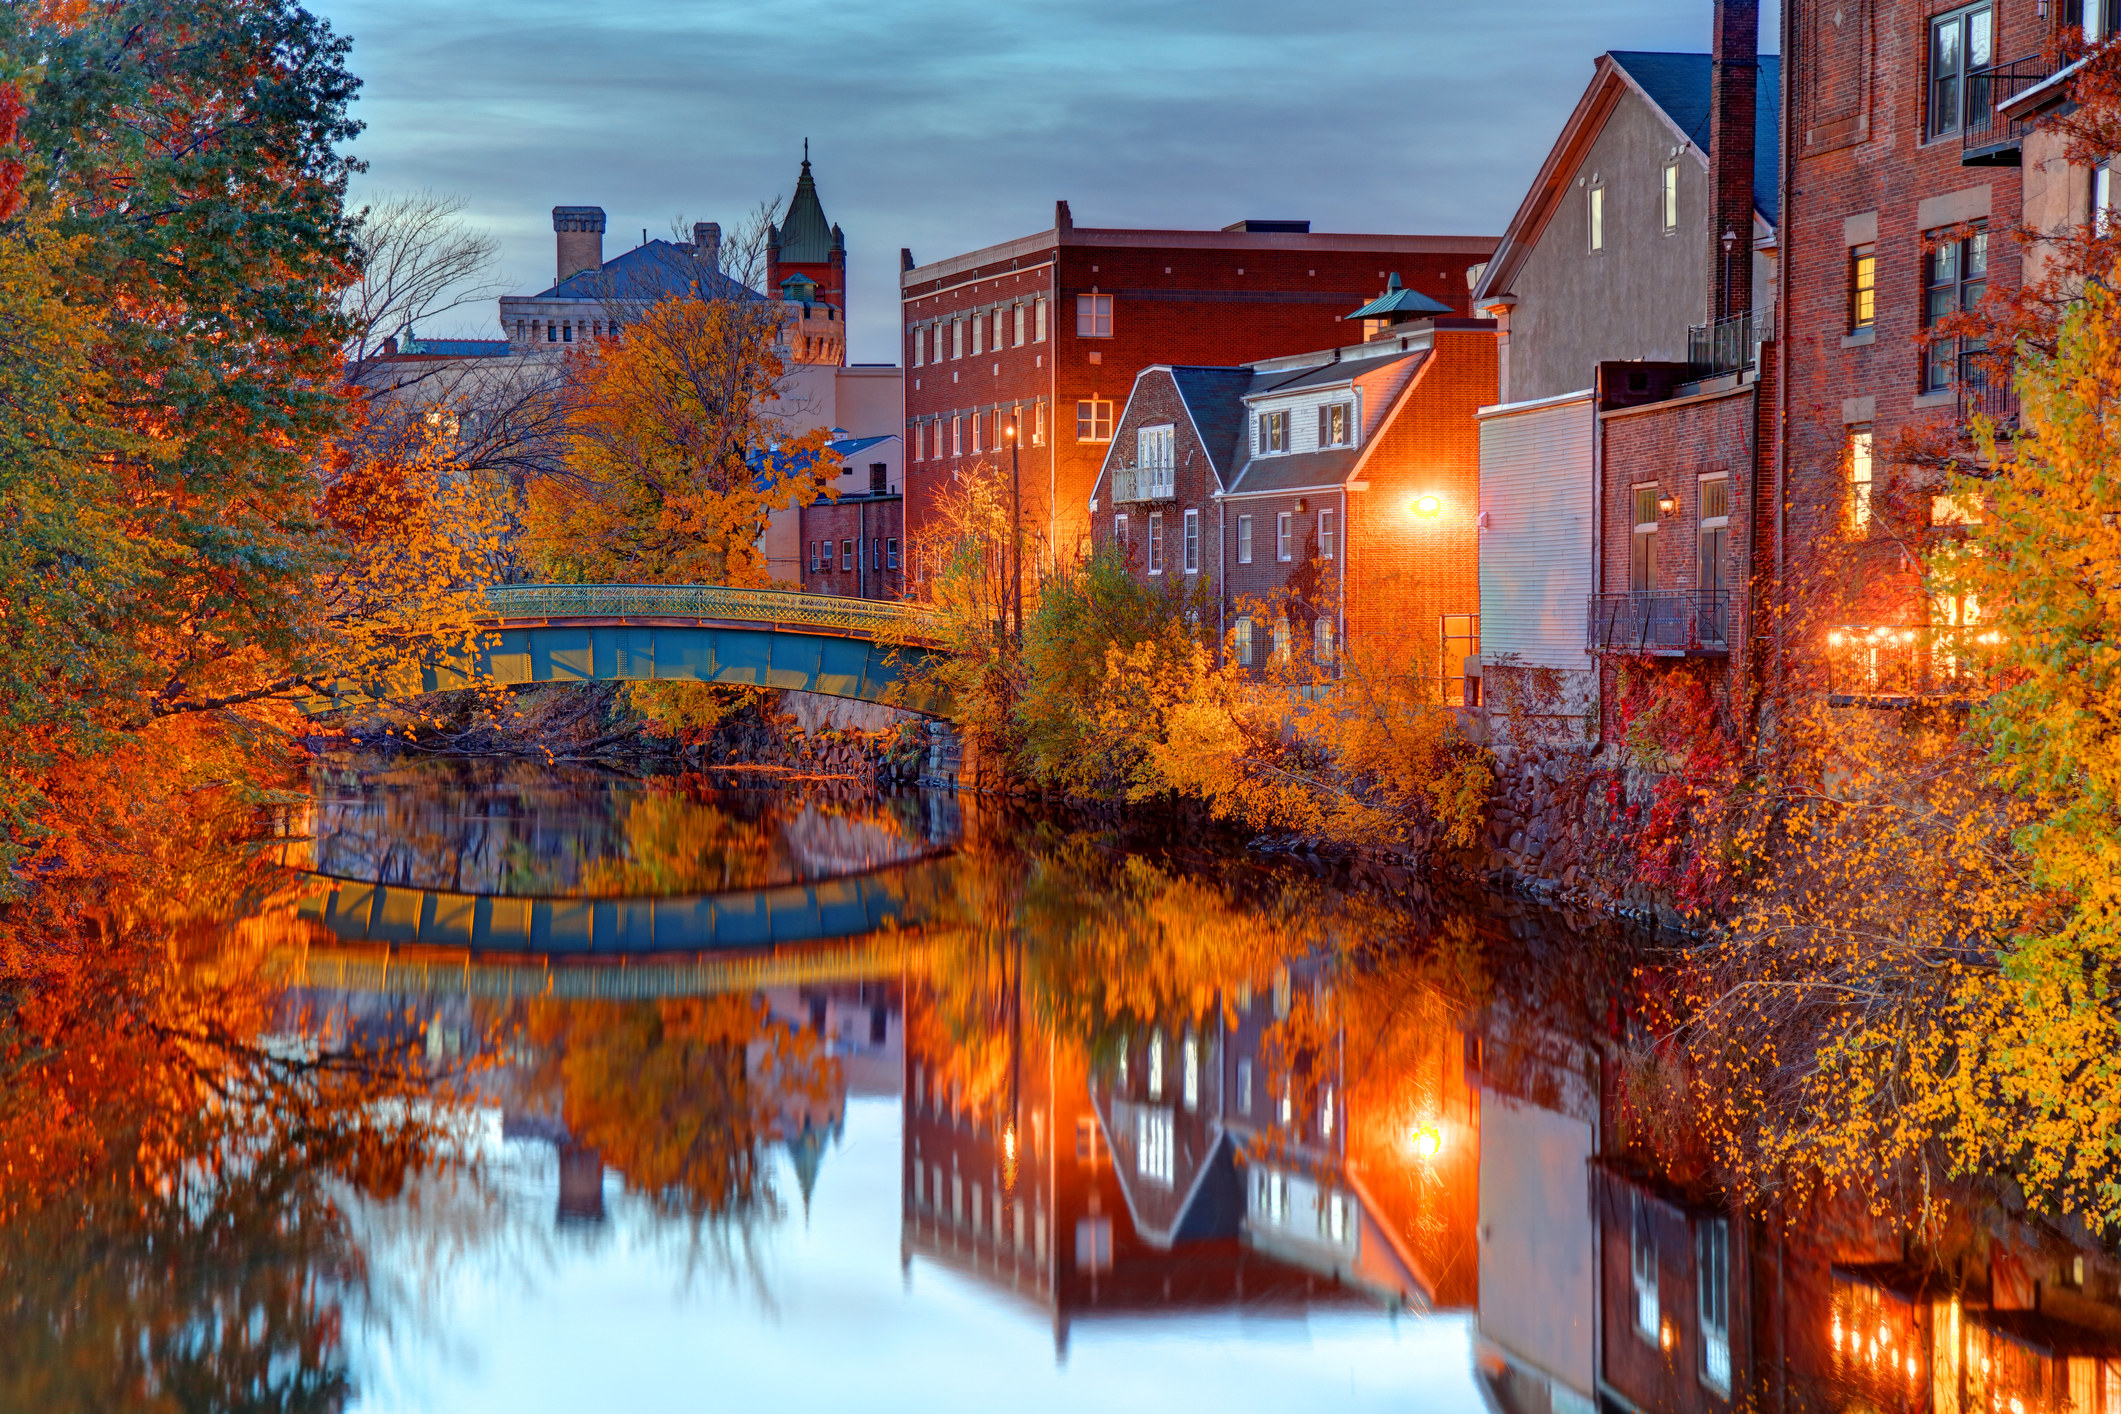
1292, 471
1215, 398
1342, 370
658, 270
1397, 300
805, 236
1679, 84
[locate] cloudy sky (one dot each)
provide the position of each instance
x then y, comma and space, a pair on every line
943, 125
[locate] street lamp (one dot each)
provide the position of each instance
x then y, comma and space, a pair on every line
1427, 507
1016, 531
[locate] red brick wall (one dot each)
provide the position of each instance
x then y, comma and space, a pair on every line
877, 526
1246, 298
1857, 145
1155, 400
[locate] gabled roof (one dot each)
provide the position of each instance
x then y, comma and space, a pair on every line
658, 270
805, 236
1676, 86
1215, 400
1340, 370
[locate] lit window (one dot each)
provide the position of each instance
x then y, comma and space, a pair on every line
1642, 561
1715, 550
1244, 540
1192, 542
1597, 218
1274, 431
1093, 420
1038, 426
1325, 535
1242, 636
1156, 542
1863, 287
1859, 482
1039, 321
1281, 639
1671, 196
1093, 316
1190, 1060
1284, 536
1153, 1149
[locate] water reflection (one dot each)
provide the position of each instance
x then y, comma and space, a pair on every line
1100, 1088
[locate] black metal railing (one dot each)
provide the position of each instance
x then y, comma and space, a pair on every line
1659, 621
1724, 346
1986, 392
1986, 139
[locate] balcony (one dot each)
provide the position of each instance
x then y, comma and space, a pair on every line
1680, 623
1982, 394
1907, 665
1153, 482
1988, 140
1726, 346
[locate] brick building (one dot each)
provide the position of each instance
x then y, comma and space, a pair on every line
1900, 191
1050, 330
1328, 498
851, 542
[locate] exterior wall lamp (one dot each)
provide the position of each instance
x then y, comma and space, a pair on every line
1427, 507
1667, 503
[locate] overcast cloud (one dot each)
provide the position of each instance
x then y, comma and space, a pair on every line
943, 125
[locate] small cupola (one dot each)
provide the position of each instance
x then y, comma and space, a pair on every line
799, 289
1397, 305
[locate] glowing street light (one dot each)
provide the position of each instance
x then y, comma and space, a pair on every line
1427, 507
1426, 1140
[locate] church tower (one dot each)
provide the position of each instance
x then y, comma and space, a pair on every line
806, 245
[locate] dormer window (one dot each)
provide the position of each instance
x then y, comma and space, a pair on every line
1336, 424
1274, 431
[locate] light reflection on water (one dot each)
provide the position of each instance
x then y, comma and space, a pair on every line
940, 1106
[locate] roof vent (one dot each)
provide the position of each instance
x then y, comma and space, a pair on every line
1254, 227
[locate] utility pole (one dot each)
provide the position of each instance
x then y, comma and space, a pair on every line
1016, 530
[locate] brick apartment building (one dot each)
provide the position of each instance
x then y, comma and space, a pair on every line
1329, 498
851, 542
1050, 330
1903, 184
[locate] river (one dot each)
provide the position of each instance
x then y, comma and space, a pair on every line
512, 1087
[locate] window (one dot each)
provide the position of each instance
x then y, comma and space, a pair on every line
1038, 425
1336, 424
1461, 640
957, 436
1189, 1080
2100, 18
1281, 639
979, 329
891, 552
1859, 482
1325, 535
1325, 1113
1642, 563
876, 553
1152, 1144
1155, 1066
813, 557
1155, 449
1715, 539
1093, 1244
1093, 420
1863, 287
1712, 1282
567, 333
1192, 551
1284, 536
1274, 431
1119, 533
1955, 277
1961, 43
1597, 218
846, 555
552, 333
920, 341
1038, 311
975, 434
1322, 640
1671, 196
1242, 637
1244, 1085
1093, 316
1642, 1270
1017, 313
938, 357
1244, 540
1156, 542
879, 478
2102, 196
957, 338
1001, 324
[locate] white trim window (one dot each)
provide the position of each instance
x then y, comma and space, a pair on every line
1192, 542
957, 338
1670, 195
1325, 535
813, 557
1642, 1269
1285, 536
1093, 420
1001, 328
1189, 1052
1038, 425
1038, 320
1282, 653
979, 330
1016, 314
957, 436
1322, 640
976, 420
846, 557
1244, 540
1119, 533
1336, 424
1155, 1065
1712, 1284
920, 344
1093, 316
1156, 542
1241, 638
1155, 451
1153, 1147
1273, 432
1597, 217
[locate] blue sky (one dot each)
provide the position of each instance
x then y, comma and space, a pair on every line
943, 125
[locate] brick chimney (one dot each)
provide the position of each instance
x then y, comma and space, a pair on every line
578, 234
707, 243
1734, 86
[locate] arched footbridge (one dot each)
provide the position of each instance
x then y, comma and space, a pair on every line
865, 649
